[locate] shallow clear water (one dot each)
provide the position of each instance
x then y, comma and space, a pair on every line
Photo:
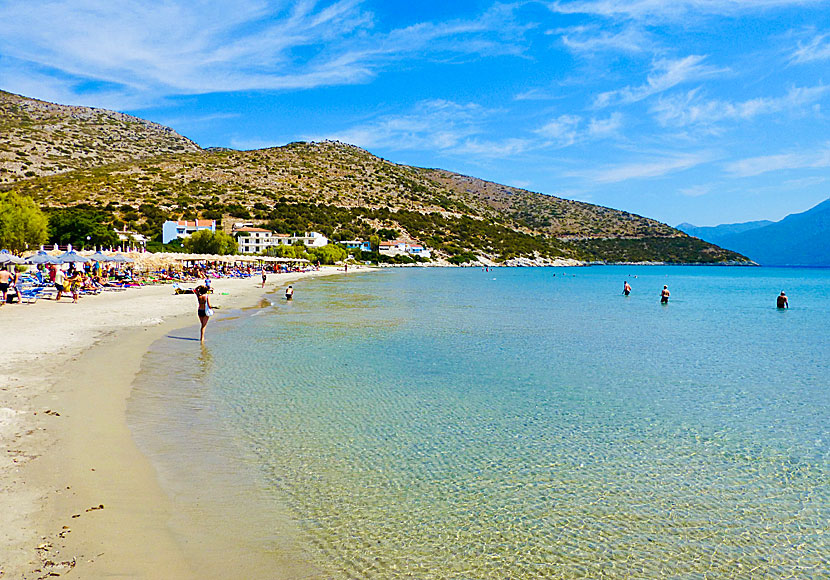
454, 423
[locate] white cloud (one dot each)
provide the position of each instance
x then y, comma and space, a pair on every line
590, 39
562, 131
695, 190
691, 109
753, 166
657, 167
665, 74
605, 127
817, 49
657, 10
156, 48
433, 124
494, 149
566, 130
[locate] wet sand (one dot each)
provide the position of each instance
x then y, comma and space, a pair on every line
75, 491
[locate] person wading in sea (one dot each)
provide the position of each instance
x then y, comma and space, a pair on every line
782, 301
626, 288
204, 311
664, 295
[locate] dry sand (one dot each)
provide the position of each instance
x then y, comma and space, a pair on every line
66, 450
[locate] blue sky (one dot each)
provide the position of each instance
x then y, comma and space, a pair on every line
707, 111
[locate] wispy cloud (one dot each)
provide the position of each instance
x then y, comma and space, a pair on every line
562, 131
593, 39
665, 74
753, 166
692, 109
695, 190
567, 130
432, 124
651, 10
177, 47
657, 167
815, 50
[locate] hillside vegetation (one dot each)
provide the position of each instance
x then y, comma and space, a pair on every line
140, 174
40, 138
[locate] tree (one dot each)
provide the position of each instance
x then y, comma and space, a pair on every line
282, 251
208, 242
81, 227
22, 224
328, 254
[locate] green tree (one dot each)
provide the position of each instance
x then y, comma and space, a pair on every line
374, 243
81, 227
208, 242
290, 252
328, 254
22, 224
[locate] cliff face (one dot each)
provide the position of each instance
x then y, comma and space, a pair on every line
141, 173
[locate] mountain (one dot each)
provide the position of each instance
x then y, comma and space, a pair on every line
715, 234
137, 174
801, 239
40, 138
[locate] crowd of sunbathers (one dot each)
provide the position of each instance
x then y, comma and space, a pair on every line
52, 281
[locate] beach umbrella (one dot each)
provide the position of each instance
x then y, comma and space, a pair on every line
100, 257
7, 257
121, 259
72, 256
43, 258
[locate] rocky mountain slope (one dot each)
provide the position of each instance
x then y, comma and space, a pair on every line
140, 173
40, 138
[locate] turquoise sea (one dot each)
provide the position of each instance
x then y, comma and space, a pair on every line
516, 423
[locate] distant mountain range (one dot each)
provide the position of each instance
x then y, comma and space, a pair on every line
800, 239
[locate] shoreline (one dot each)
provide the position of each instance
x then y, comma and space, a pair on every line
68, 448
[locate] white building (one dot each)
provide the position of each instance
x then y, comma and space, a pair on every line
398, 247
130, 239
184, 229
311, 239
251, 240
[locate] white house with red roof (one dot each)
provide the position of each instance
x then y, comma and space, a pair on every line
184, 229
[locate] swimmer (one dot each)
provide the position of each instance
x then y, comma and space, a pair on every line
626, 288
664, 295
782, 301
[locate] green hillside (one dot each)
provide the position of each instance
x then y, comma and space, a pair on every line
139, 174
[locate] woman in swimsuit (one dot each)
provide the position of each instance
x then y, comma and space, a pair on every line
204, 307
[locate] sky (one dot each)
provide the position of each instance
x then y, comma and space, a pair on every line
700, 111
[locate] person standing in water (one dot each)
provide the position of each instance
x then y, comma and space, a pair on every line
782, 301
626, 288
289, 293
664, 295
264, 276
204, 310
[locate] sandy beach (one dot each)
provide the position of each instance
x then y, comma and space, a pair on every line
75, 491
